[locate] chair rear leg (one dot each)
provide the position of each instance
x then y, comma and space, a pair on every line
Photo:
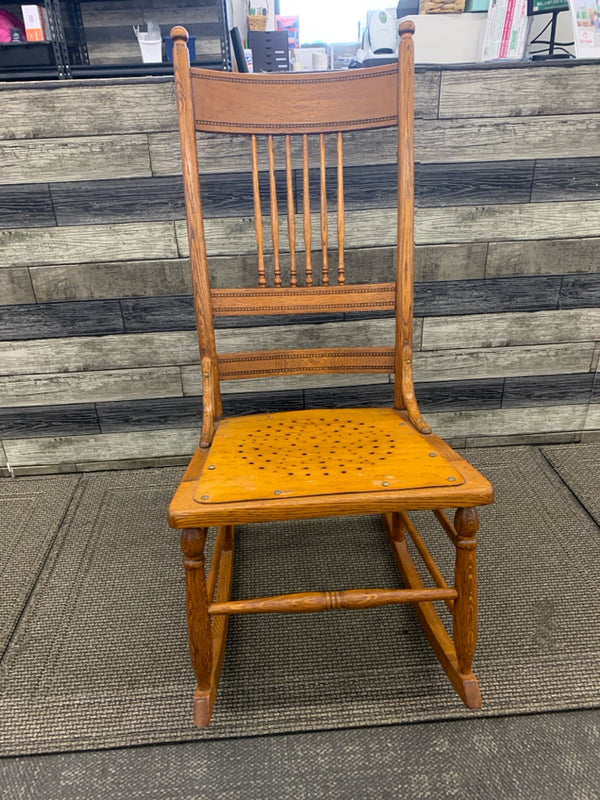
465, 682
193, 541
466, 523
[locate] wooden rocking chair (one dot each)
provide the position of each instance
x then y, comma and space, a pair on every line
314, 463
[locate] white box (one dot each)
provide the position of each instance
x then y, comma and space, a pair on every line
36, 23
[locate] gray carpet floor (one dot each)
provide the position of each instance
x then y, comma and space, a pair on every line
579, 467
552, 756
96, 653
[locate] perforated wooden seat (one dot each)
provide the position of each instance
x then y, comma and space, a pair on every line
304, 453
325, 462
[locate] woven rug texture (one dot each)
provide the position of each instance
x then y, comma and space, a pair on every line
99, 657
579, 467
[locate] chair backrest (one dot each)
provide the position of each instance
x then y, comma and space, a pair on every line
291, 118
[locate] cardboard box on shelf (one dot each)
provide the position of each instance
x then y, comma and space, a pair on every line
36, 23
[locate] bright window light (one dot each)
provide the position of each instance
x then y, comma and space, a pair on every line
329, 20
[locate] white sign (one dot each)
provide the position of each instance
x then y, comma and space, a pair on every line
586, 27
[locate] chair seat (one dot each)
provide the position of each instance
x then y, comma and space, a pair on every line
319, 452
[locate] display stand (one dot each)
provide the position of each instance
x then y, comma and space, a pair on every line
555, 49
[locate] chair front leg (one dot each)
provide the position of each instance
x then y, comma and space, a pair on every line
466, 522
193, 541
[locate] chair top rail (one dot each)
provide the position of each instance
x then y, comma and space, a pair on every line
347, 100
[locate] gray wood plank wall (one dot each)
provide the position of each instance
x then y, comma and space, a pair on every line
98, 356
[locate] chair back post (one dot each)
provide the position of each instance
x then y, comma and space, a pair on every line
404, 392
211, 393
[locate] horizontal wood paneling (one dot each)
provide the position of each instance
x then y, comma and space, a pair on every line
472, 184
436, 142
434, 298
98, 353
60, 319
230, 194
433, 396
121, 200
192, 382
25, 206
595, 396
528, 92
29, 422
580, 290
172, 276
186, 412
596, 360
110, 279
161, 315
508, 222
15, 286
505, 422
87, 108
502, 330
550, 257
23, 161
499, 139
228, 236
592, 420
367, 333
539, 438
432, 226
174, 442
89, 387
567, 179
375, 185
88, 243
101, 447
444, 262
150, 414
158, 314
546, 390
496, 362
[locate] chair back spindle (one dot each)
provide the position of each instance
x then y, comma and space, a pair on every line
291, 211
341, 222
258, 222
307, 216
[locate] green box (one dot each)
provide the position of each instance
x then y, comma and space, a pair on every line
477, 5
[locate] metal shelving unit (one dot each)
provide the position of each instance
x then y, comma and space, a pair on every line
71, 55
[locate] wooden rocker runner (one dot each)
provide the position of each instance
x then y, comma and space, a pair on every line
314, 463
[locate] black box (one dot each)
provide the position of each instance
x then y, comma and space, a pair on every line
270, 51
26, 54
